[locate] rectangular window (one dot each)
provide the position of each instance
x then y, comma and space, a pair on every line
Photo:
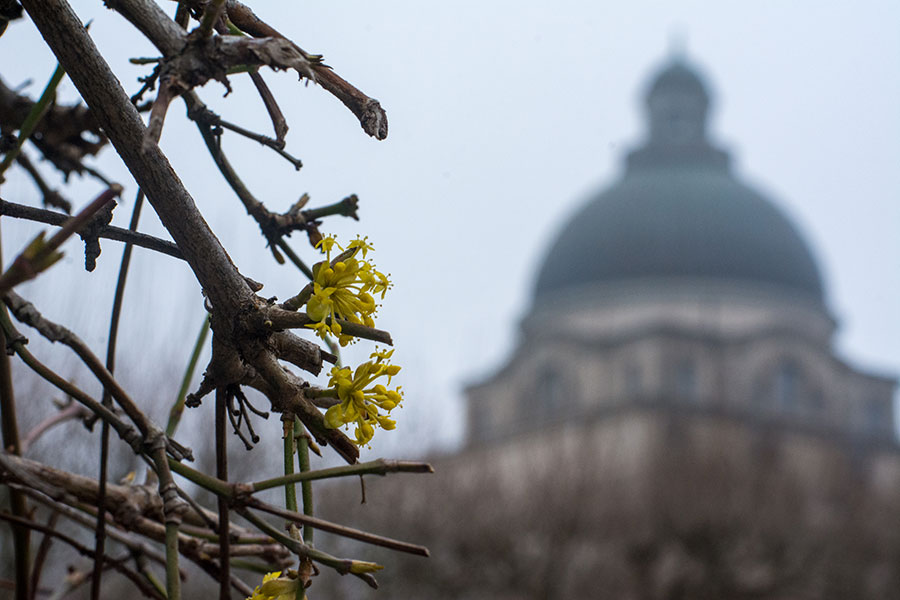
686, 381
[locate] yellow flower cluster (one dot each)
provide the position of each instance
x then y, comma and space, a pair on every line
360, 401
275, 587
343, 288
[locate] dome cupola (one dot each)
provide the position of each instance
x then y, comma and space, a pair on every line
679, 213
677, 103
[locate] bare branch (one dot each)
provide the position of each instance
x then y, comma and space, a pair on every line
341, 530
110, 232
371, 116
27, 313
139, 582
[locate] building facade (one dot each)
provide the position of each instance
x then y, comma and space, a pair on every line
680, 286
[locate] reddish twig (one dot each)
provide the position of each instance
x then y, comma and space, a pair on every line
67, 413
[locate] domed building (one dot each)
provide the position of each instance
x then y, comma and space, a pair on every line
674, 423
680, 286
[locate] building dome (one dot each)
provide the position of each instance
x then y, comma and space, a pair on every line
678, 212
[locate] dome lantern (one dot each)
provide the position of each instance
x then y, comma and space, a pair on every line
677, 105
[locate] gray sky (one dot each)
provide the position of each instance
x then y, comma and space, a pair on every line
504, 116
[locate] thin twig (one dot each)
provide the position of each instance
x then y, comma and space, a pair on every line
273, 226
279, 123
173, 507
40, 255
261, 546
207, 519
136, 579
49, 197
27, 313
178, 407
372, 117
341, 565
292, 256
72, 411
128, 433
346, 208
211, 118
118, 234
375, 467
100, 534
222, 474
40, 556
129, 541
348, 532
285, 319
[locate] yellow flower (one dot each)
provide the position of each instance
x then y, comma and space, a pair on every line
360, 401
343, 288
275, 587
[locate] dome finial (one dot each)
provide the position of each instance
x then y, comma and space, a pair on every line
678, 43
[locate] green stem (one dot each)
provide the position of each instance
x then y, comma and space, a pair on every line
38, 109
171, 515
173, 580
375, 467
207, 482
298, 262
341, 530
151, 577
237, 69
178, 408
341, 565
305, 486
210, 15
290, 492
291, 431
